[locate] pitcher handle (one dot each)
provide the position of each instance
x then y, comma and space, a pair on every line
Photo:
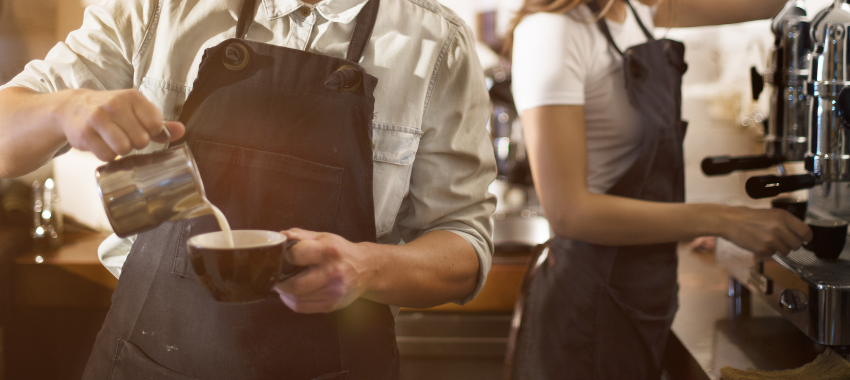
168, 140
167, 143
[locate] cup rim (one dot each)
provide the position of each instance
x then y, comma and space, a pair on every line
784, 199
271, 239
827, 223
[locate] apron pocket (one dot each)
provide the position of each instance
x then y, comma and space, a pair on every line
269, 191
132, 364
629, 342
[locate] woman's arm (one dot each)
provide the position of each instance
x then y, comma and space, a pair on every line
555, 136
685, 13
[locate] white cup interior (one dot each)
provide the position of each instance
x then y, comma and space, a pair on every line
241, 239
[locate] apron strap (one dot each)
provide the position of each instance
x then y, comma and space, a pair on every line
646, 32
246, 17
364, 24
603, 26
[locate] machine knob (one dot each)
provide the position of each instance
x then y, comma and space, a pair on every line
793, 300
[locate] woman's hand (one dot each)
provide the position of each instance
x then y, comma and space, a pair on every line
339, 272
111, 123
764, 231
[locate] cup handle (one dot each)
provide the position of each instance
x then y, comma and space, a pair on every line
288, 270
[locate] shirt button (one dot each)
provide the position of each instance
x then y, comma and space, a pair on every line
373, 145
178, 109
305, 11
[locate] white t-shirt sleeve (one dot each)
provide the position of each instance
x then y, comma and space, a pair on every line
550, 61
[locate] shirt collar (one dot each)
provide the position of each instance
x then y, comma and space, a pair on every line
342, 11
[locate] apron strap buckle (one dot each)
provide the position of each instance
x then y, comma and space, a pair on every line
344, 79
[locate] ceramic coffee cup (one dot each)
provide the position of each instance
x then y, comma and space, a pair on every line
248, 271
796, 206
828, 238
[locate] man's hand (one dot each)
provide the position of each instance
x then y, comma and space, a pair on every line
111, 123
339, 272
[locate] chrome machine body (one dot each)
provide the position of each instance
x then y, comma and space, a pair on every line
786, 137
811, 293
830, 150
788, 71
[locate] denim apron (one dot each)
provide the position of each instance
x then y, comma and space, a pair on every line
604, 312
282, 139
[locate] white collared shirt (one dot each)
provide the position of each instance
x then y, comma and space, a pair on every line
432, 155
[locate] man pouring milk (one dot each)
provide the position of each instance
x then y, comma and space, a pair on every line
357, 132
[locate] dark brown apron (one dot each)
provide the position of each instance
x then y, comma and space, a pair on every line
604, 312
282, 139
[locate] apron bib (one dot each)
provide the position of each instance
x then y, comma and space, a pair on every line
604, 312
282, 139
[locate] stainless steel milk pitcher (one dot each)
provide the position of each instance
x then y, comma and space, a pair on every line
140, 192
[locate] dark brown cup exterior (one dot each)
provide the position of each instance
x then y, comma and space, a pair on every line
827, 240
241, 275
795, 206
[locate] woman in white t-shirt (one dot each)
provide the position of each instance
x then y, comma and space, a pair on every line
603, 132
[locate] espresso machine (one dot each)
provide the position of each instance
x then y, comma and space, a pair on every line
811, 293
786, 137
518, 222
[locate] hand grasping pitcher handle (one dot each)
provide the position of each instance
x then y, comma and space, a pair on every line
111, 123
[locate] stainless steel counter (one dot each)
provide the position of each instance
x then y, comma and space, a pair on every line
763, 340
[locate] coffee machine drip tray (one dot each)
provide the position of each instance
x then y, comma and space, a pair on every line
811, 293
831, 274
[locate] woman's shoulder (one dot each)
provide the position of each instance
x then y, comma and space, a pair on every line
553, 25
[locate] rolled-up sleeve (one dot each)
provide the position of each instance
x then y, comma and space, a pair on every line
455, 163
98, 56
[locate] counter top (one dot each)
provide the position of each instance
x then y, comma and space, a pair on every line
764, 340
71, 275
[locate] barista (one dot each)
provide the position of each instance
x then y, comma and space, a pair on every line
600, 104
338, 117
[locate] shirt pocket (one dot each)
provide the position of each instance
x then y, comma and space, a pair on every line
393, 152
169, 97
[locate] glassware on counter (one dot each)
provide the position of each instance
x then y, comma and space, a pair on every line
47, 217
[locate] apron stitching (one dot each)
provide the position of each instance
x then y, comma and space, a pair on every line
115, 357
174, 268
338, 195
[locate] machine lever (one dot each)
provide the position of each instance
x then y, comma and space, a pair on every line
770, 185
726, 164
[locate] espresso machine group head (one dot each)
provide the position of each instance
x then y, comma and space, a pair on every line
828, 92
787, 72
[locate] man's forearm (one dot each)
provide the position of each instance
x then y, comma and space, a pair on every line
29, 136
436, 268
